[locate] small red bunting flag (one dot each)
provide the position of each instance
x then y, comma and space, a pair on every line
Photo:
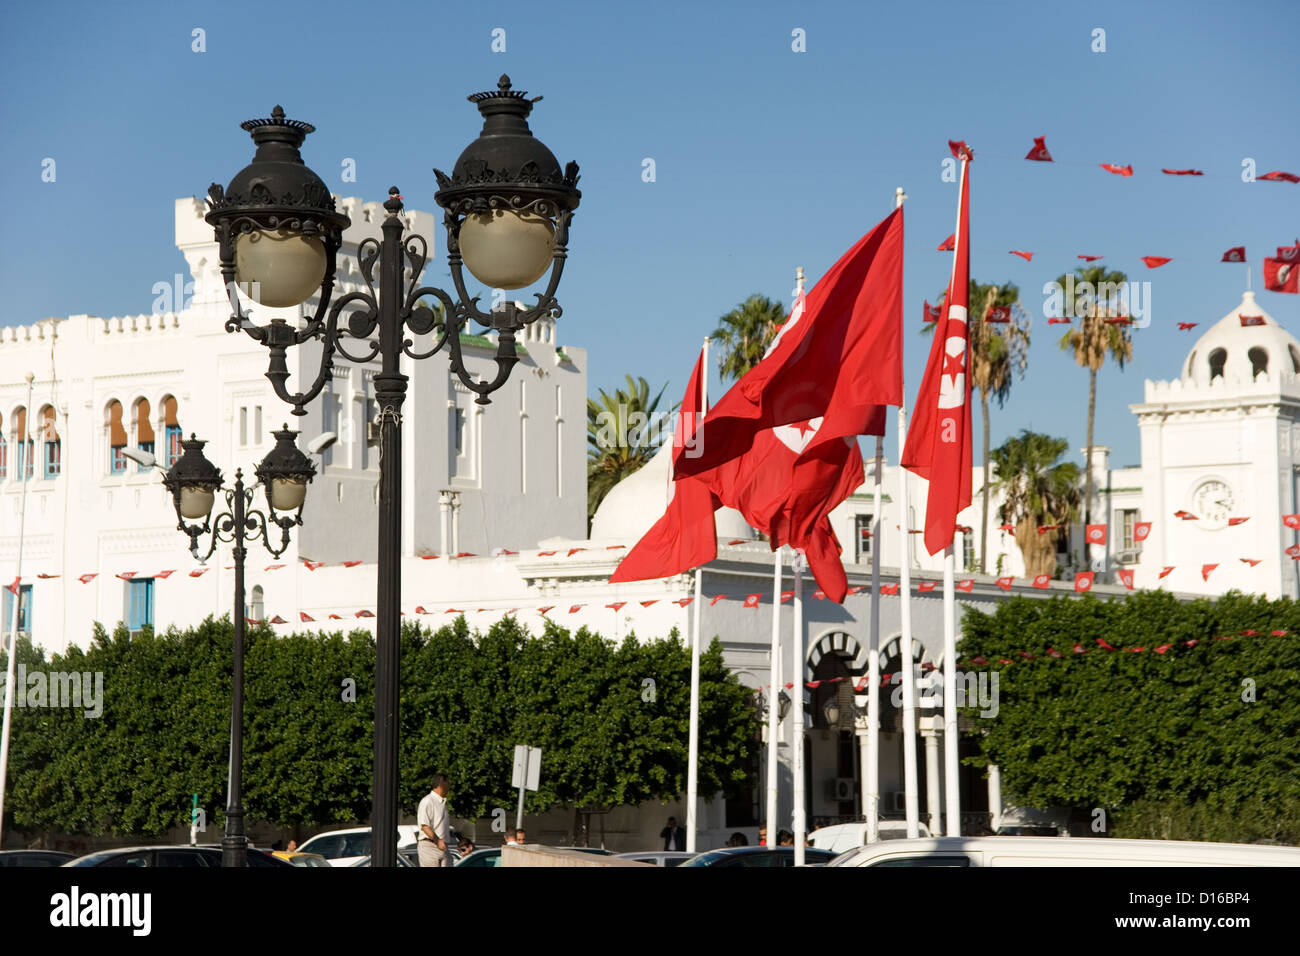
1278, 633
1059, 320
1027, 256
1164, 572
751, 600
960, 150
453, 610
1251, 561
1102, 641
1042, 580
575, 608
999, 315
1249, 633
1083, 581
1186, 326
335, 617
716, 598
889, 589
1223, 637
1126, 577
1235, 254
857, 589
305, 617
419, 609
682, 602
165, 574
313, 565
425, 557
1117, 169
616, 606
1155, 262
46, 577
786, 596
1005, 582
364, 613
648, 603
1026, 655
1039, 152
1190, 643
1250, 320
1206, 569
1080, 649
981, 661
925, 586
1119, 320
542, 610
1162, 648
1186, 515
968, 585
1008, 528
608, 547
545, 554
13, 588
1291, 521
1096, 533
820, 595
948, 245
350, 564
930, 313
274, 567
1044, 528
1053, 652
1003, 660
1182, 172
199, 571
735, 541
125, 575
278, 620
1135, 650
471, 554
1141, 530
1278, 176
87, 578
573, 551
1089, 258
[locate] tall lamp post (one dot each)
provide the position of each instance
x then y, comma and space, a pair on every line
194, 483
507, 207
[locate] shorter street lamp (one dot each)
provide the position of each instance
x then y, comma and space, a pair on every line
194, 482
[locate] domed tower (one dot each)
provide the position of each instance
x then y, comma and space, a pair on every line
1222, 443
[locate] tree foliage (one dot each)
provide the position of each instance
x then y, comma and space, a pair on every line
622, 436
608, 737
1038, 490
744, 333
1197, 742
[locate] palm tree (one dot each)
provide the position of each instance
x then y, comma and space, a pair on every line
997, 355
744, 333
1098, 295
621, 430
1037, 489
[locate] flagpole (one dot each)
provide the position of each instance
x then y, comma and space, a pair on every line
951, 764
796, 675
773, 699
871, 760
24, 460
692, 772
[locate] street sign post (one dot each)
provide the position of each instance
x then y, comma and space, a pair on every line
527, 775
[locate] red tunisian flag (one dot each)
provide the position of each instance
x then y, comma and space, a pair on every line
1281, 276
684, 537
938, 446
1095, 533
839, 358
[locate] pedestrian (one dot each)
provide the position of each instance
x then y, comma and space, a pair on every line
519, 836
762, 836
674, 837
737, 839
434, 828
292, 847
784, 838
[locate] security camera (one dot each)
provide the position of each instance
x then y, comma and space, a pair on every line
321, 442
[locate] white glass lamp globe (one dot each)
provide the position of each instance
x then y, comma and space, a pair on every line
279, 268
287, 495
196, 503
505, 249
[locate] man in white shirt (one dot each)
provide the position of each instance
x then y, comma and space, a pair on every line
434, 827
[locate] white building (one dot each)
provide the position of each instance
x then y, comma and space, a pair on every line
494, 508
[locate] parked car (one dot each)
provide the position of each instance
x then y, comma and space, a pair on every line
658, 857
847, 836
489, 856
346, 847
1035, 851
34, 858
401, 862
171, 857
760, 856
297, 858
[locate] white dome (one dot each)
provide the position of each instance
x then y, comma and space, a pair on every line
634, 504
1236, 352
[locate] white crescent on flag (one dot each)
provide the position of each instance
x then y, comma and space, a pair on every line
798, 436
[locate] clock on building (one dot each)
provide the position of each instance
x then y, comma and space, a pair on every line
1212, 503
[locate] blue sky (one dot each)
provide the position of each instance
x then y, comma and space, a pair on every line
765, 159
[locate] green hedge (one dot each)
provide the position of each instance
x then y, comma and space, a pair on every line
1201, 741
611, 719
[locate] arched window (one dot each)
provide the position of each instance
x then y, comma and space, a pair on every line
256, 610
1218, 358
116, 438
52, 457
172, 449
143, 428
23, 444
1295, 359
1258, 361
1191, 363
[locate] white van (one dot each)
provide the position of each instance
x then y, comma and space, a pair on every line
1040, 851
848, 836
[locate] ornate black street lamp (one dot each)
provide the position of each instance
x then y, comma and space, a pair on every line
507, 207
194, 482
